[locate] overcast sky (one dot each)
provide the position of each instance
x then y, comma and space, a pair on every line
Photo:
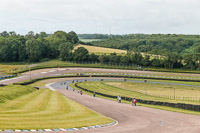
101, 16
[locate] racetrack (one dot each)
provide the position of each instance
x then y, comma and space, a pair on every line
135, 119
131, 119
57, 71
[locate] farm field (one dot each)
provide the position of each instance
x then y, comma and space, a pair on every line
100, 50
41, 109
146, 91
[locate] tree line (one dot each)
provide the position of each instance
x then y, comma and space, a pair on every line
179, 50
42, 47
35, 47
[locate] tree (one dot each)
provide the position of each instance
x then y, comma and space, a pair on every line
33, 50
146, 61
113, 58
103, 58
61, 35
43, 34
81, 54
5, 50
93, 58
30, 35
72, 37
4, 34
65, 50
125, 59
136, 58
172, 60
189, 60
155, 62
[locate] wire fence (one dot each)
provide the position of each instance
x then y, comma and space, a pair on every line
172, 97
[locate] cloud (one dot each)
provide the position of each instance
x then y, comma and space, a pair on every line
90, 16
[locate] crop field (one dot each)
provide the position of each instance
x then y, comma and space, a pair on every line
23, 107
147, 91
101, 50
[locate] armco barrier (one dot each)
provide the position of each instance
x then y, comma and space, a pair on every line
174, 105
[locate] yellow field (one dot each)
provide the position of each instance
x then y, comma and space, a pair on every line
100, 50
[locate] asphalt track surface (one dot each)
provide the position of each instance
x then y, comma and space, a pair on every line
131, 119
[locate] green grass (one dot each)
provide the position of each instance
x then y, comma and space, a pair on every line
155, 89
43, 109
147, 105
10, 67
168, 81
155, 92
10, 92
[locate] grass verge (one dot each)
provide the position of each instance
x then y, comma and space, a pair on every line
146, 105
23, 107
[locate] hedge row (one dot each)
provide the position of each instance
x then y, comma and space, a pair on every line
174, 105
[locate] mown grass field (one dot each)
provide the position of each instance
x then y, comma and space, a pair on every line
7, 68
146, 91
158, 89
101, 50
112, 90
42, 109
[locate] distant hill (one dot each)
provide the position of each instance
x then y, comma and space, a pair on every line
158, 44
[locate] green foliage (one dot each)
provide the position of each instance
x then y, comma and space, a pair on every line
65, 50
72, 37
81, 54
93, 36
34, 47
158, 44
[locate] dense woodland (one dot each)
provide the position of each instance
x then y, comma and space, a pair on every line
178, 51
35, 47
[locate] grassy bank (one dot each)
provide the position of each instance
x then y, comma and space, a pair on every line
11, 92
23, 107
145, 91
